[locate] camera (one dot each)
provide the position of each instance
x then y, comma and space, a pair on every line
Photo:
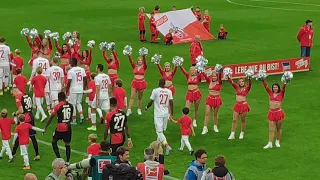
86, 163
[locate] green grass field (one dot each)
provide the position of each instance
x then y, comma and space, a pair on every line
258, 30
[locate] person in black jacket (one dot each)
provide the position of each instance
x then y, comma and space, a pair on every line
158, 153
219, 171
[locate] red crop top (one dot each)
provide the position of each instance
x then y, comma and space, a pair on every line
239, 92
66, 55
164, 74
279, 97
49, 49
87, 60
218, 84
191, 81
34, 48
136, 70
112, 64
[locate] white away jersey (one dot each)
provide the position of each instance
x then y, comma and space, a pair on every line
76, 75
161, 97
103, 80
41, 62
54, 74
4, 55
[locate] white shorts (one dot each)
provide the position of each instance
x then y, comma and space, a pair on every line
24, 150
161, 123
104, 104
2, 72
54, 95
39, 101
47, 88
75, 98
93, 103
5, 144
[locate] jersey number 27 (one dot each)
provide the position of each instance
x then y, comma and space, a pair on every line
119, 122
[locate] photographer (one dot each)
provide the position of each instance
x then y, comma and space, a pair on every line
219, 171
150, 169
59, 170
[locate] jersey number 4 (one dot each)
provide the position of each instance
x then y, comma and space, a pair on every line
119, 122
163, 99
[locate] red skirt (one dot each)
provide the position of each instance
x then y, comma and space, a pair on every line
113, 78
214, 101
193, 95
276, 114
172, 89
139, 84
241, 107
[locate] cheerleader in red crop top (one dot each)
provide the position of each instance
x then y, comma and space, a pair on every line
139, 83
213, 100
113, 65
35, 46
168, 74
46, 48
241, 108
86, 58
275, 114
65, 55
194, 94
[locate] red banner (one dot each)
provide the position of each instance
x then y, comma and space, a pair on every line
271, 67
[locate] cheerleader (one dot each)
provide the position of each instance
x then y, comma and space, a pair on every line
241, 108
193, 95
86, 57
168, 74
76, 38
46, 48
65, 55
113, 65
35, 46
139, 83
213, 100
275, 114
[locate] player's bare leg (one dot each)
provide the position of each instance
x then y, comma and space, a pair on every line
140, 94
272, 127
132, 97
206, 120
234, 125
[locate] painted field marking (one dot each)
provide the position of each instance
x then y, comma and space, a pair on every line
284, 2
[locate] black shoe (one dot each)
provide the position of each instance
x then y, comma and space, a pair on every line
101, 120
10, 160
191, 152
166, 172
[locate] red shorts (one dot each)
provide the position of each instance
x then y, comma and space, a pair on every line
113, 78
142, 27
139, 84
193, 95
172, 89
276, 114
214, 101
241, 107
153, 30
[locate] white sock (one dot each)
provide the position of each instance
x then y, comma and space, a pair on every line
48, 101
40, 109
26, 160
1, 84
79, 108
186, 141
2, 151
6, 81
99, 112
9, 152
182, 144
93, 119
74, 113
89, 112
162, 138
232, 133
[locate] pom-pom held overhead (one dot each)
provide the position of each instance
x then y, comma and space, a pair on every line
156, 59
103, 46
57, 54
143, 51
111, 46
201, 63
33, 33
249, 73
286, 77
262, 75
91, 43
54, 35
218, 68
209, 71
177, 61
227, 72
127, 50
24, 32
47, 33
71, 42
66, 35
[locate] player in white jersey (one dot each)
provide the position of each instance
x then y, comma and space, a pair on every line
163, 100
55, 77
77, 82
45, 65
4, 64
103, 84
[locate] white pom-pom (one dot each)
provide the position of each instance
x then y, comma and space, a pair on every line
46, 33
127, 50
201, 63
54, 35
209, 71
111, 46
57, 54
156, 59
24, 32
103, 46
286, 77
66, 35
249, 73
262, 75
143, 51
177, 61
227, 72
71, 42
218, 68
91, 43
33, 33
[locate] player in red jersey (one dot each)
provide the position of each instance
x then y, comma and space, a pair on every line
141, 27
117, 122
196, 49
20, 81
139, 83
168, 75
150, 169
113, 65
197, 13
64, 111
206, 20
22, 134
193, 95
275, 114
92, 108
46, 48
24, 105
94, 148
35, 46
120, 94
168, 38
65, 55
86, 57
18, 63
222, 33
153, 29
241, 108
38, 83
157, 11
213, 100
5, 128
